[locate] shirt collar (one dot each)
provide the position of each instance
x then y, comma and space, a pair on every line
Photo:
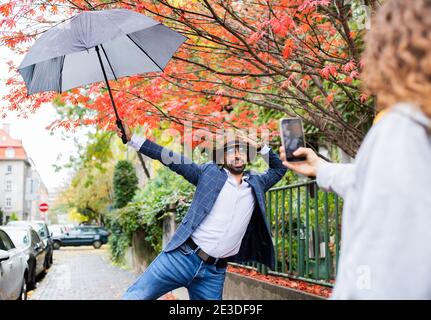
244, 177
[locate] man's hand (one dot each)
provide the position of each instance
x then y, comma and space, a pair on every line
307, 167
126, 130
253, 143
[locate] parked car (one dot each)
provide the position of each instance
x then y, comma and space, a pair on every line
42, 229
57, 230
83, 236
13, 270
34, 248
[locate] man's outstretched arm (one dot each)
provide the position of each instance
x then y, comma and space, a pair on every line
174, 161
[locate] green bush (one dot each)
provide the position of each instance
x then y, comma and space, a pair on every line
166, 192
125, 183
122, 223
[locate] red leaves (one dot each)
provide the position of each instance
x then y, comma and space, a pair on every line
329, 70
285, 282
308, 5
330, 98
350, 66
255, 37
363, 97
354, 74
282, 26
289, 46
286, 44
240, 82
6, 9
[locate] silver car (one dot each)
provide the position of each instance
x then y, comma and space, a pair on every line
27, 239
42, 229
13, 270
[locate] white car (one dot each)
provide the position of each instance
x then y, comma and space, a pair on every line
57, 230
13, 270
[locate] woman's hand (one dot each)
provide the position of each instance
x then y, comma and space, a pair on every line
307, 167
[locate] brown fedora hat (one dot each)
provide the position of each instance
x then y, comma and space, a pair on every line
219, 151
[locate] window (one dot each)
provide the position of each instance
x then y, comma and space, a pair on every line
8, 185
19, 237
5, 242
8, 203
34, 238
10, 153
9, 169
41, 231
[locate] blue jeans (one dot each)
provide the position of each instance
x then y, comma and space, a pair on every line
178, 268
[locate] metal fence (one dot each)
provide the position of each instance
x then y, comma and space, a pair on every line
305, 226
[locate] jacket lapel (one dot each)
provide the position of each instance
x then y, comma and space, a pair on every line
257, 190
214, 189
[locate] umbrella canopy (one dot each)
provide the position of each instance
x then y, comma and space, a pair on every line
98, 46
65, 57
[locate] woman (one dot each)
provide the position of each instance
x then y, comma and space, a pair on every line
386, 229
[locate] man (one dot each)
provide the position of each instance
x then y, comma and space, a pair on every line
226, 222
296, 139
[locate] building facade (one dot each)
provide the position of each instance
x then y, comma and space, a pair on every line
36, 193
21, 188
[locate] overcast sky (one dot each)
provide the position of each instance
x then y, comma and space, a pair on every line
40, 145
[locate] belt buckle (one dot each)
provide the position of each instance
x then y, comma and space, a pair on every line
206, 257
212, 260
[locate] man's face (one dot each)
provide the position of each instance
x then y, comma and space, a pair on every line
296, 129
235, 158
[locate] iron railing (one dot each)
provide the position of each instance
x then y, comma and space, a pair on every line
305, 226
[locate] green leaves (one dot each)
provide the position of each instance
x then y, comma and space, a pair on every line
125, 183
162, 194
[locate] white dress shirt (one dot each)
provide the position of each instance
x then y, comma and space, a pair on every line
221, 232
386, 229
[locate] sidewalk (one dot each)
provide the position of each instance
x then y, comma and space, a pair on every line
83, 273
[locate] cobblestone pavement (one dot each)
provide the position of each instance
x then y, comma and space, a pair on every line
82, 273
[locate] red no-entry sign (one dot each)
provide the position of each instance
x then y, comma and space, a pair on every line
43, 207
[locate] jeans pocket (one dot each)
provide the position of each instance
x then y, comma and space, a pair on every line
221, 270
185, 249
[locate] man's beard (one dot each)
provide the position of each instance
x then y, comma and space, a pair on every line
235, 169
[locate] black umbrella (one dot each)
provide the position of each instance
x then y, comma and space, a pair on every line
98, 46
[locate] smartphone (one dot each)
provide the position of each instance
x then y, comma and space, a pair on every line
292, 137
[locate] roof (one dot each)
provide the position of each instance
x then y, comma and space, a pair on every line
17, 227
7, 142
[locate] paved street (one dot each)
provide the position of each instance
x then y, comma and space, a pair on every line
82, 273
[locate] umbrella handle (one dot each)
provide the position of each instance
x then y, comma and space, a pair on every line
123, 132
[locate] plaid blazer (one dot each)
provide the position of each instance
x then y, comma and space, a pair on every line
209, 179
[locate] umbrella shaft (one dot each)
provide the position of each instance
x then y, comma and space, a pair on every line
107, 83
118, 122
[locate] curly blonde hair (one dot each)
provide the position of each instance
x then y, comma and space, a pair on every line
397, 58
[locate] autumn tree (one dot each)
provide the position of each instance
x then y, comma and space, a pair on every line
90, 192
241, 59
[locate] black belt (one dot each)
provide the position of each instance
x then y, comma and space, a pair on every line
219, 262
